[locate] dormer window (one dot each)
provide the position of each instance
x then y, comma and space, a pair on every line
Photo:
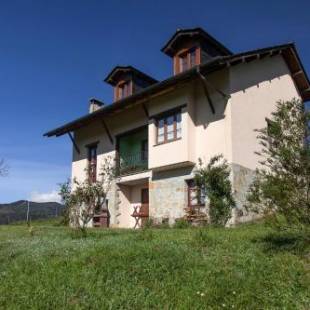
191, 47
123, 90
128, 81
187, 59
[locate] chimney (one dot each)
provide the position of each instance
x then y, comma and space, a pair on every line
94, 105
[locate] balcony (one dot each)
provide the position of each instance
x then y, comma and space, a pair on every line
133, 152
133, 163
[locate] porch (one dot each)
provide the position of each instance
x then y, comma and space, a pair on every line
133, 203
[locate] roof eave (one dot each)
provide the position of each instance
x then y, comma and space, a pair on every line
217, 63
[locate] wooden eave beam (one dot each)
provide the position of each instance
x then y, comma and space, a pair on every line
203, 78
107, 131
74, 143
206, 91
145, 110
297, 73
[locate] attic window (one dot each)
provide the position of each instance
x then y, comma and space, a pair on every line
187, 59
123, 90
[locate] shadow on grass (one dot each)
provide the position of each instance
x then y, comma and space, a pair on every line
297, 243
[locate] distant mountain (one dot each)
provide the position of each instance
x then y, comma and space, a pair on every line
17, 211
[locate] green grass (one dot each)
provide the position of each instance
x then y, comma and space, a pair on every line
249, 267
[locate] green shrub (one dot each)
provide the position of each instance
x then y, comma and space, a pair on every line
181, 224
282, 184
214, 181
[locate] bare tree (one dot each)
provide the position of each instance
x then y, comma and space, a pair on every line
4, 169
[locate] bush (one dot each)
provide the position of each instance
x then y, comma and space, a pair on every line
281, 188
214, 181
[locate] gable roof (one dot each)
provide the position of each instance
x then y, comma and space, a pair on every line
112, 76
288, 51
199, 32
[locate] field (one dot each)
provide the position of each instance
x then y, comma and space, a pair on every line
249, 267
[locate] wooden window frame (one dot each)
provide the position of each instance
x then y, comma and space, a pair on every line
120, 89
92, 162
192, 187
187, 56
164, 118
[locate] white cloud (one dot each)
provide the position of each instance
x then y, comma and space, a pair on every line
45, 197
31, 177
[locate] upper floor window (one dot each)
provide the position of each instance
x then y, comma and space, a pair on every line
169, 128
92, 162
187, 59
123, 90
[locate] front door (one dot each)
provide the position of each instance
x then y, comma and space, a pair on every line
145, 196
144, 205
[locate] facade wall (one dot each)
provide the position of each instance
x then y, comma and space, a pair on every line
254, 89
212, 131
176, 151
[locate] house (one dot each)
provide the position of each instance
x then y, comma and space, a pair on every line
157, 130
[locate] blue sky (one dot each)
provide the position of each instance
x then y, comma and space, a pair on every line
55, 54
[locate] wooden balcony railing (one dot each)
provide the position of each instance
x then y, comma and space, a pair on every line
133, 163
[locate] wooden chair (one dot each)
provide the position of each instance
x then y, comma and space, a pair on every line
140, 214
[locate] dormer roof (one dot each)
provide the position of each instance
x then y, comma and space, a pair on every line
114, 76
171, 47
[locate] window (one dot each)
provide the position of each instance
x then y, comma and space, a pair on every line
124, 90
183, 62
192, 57
187, 59
92, 162
169, 128
196, 195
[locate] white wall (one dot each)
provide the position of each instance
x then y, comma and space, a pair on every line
255, 89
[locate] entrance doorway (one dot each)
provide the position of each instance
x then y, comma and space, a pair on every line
144, 210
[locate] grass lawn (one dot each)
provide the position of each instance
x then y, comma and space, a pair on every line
249, 267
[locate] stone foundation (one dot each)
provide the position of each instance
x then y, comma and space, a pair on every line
242, 178
168, 195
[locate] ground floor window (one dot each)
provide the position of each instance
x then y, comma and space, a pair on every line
196, 195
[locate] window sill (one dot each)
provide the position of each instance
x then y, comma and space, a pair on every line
162, 143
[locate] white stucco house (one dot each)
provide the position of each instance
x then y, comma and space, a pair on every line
157, 130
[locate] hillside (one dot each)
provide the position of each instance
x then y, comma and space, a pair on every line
17, 211
248, 267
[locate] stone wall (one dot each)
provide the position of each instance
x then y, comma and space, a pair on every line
168, 195
242, 178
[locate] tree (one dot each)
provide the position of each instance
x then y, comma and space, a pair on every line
281, 188
214, 180
65, 190
85, 198
4, 169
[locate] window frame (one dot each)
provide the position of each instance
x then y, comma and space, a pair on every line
200, 194
164, 118
92, 161
186, 56
123, 89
